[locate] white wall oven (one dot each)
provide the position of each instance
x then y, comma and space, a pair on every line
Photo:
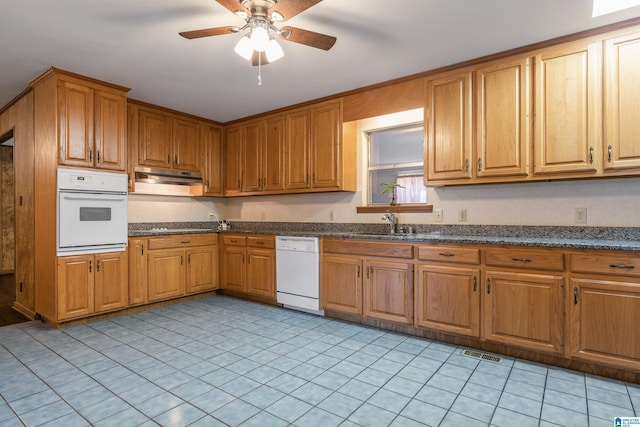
92, 212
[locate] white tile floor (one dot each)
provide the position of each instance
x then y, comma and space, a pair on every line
223, 361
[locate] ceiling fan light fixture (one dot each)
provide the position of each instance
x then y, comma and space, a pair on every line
244, 48
259, 38
274, 51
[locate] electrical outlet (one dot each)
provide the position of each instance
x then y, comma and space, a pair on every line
438, 213
332, 216
580, 215
211, 216
462, 215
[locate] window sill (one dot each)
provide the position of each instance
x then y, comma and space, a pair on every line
395, 209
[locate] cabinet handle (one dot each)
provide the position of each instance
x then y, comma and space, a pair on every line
176, 159
591, 155
243, 258
447, 254
623, 266
233, 241
142, 252
98, 157
90, 266
521, 259
97, 266
488, 286
609, 153
575, 295
249, 259
189, 259
358, 271
313, 178
259, 243
184, 242
479, 164
368, 272
90, 155
475, 283
169, 158
238, 184
466, 165
306, 179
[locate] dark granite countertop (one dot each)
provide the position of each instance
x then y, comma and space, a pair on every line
607, 238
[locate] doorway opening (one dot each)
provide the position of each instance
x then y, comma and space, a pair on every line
8, 315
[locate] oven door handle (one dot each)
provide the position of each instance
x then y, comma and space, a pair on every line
95, 198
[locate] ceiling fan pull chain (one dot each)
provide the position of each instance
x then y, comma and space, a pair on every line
259, 68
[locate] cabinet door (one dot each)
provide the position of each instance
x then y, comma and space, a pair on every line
75, 286
448, 127
166, 274
388, 291
622, 91
502, 129
251, 156
110, 284
154, 139
110, 131
138, 293
232, 156
524, 310
325, 145
202, 269
297, 148
186, 144
603, 319
341, 284
448, 299
273, 154
212, 140
76, 125
234, 270
261, 272
568, 109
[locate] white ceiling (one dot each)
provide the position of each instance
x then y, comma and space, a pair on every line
135, 43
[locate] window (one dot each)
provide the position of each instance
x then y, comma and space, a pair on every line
395, 155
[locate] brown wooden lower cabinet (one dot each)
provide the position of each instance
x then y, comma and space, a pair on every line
448, 299
172, 266
248, 265
524, 309
377, 284
90, 284
566, 305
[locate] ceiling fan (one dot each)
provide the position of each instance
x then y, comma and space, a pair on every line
259, 44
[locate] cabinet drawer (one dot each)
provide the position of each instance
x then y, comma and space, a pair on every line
182, 240
453, 254
267, 242
619, 265
522, 258
368, 248
234, 240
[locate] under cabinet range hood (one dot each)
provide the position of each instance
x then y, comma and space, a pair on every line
167, 176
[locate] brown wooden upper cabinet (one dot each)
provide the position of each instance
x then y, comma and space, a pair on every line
295, 152
167, 140
92, 123
568, 107
621, 102
212, 153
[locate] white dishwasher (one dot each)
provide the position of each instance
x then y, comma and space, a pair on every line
298, 273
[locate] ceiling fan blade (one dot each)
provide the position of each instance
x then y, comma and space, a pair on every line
259, 58
195, 34
306, 37
232, 5
290, 8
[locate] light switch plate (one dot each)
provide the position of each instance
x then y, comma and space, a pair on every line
580, 215
438, 213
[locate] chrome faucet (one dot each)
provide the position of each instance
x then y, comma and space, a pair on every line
392, 221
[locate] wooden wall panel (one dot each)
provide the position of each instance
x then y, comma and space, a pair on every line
392, 98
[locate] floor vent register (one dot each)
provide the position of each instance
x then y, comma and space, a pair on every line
482, 356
